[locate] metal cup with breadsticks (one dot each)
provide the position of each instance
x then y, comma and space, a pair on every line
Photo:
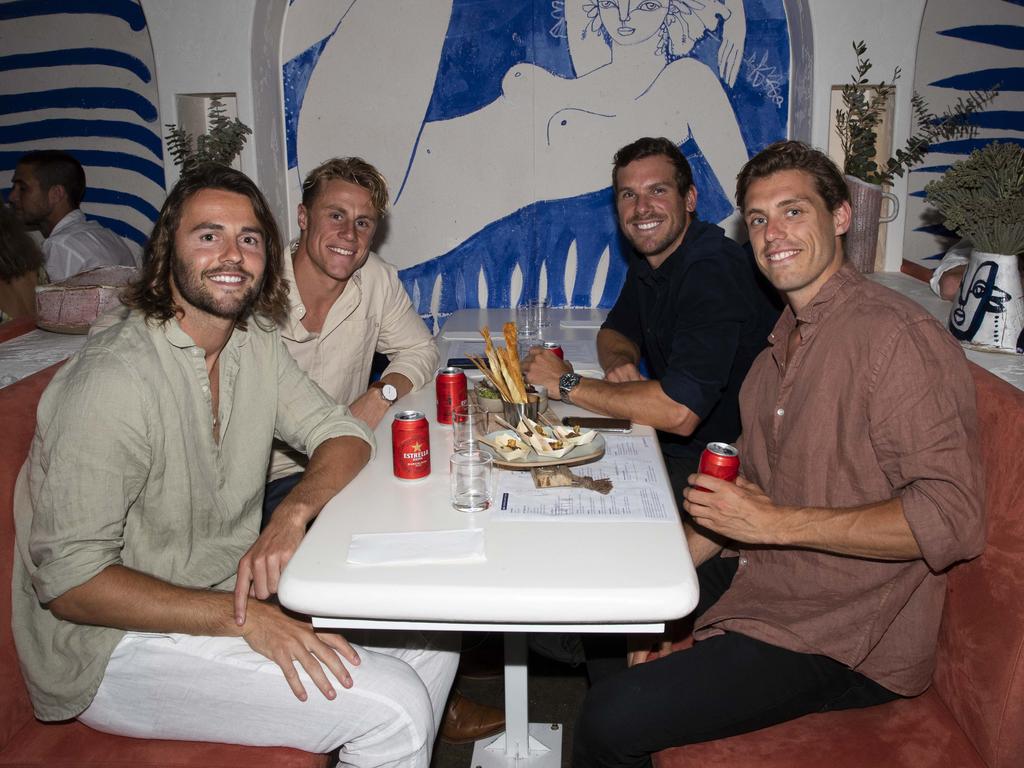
502, 365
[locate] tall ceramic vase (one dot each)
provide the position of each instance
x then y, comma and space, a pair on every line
988, 311
862, 236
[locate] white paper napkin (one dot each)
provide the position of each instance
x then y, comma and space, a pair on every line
414, 547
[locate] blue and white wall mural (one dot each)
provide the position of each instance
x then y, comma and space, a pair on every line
495, 124
964, 47
78, 75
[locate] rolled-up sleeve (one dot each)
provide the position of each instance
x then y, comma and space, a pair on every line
404, 337
306, 415
84, 483
925, 434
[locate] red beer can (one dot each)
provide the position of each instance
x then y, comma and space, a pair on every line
555, 347
720, 460
451, 392
410, 445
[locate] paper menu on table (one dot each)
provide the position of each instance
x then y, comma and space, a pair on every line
639, 494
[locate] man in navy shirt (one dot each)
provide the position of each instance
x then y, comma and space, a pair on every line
690, 308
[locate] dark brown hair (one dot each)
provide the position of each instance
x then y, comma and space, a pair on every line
794, 156
151, 293
354, 170
52, 167
647, 147
18, 251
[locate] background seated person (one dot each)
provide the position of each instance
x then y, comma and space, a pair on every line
20, 263
46, 191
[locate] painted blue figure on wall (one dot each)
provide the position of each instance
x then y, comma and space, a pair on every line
495, 123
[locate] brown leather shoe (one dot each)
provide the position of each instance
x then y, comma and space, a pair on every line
466, 721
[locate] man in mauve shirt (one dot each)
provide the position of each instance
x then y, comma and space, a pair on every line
822, 568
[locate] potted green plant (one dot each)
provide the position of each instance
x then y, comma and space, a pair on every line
982, 198
857, 123
222, 143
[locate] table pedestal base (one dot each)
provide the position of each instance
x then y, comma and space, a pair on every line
545, 749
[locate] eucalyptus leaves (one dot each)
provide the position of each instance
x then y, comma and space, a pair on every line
863, 107
222, 143
982, 197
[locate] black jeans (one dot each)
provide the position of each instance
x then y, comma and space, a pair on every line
723, 686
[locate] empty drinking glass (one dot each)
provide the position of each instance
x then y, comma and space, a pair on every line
469, 424
471, 480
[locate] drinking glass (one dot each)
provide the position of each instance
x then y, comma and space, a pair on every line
471, 481
469, 424
526, 319
539, 311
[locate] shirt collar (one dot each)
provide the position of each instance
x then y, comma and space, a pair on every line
663, 273
70, 219
832, 294
177, 337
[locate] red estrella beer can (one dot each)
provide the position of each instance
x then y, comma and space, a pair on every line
720, 460
410, 445
451, 392
555, 347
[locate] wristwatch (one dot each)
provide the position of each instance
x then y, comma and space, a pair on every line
567, 382
388, 393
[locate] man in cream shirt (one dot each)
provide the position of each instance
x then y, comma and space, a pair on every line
345, 304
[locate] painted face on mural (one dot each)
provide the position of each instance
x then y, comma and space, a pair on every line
337, 229
219, 255
794, 236
653, 213
629, 22
28, 199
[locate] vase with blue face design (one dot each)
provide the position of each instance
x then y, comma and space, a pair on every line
988, 312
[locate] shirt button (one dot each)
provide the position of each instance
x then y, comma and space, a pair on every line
781, 412
743, 561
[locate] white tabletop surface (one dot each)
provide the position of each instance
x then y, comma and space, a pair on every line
546, 572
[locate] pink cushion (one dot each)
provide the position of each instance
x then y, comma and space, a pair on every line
919, 733
73, 745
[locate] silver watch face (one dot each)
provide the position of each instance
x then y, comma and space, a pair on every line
389, 393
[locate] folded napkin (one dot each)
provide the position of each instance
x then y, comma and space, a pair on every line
415, 547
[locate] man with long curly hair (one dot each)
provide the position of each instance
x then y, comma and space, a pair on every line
142, 591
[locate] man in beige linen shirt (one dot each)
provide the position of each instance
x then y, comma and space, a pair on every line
822, 569
140, 594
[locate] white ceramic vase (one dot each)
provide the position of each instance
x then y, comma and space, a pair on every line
988, 311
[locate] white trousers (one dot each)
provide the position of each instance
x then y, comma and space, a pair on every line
218, 689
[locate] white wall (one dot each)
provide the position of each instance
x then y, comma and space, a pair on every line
202, 46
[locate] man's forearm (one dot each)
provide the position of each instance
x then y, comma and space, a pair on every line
879, 530
614, 349
331, 467
124, 598
643, 402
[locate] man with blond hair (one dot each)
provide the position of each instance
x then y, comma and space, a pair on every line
345, 303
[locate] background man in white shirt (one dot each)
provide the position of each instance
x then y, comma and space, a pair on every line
47, 188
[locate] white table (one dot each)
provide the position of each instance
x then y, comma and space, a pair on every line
31, 352
549, 576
